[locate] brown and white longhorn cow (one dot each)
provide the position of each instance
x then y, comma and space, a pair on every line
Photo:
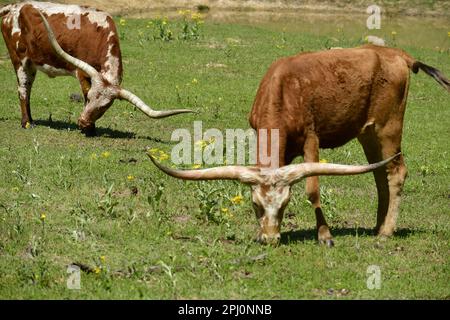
323, 100
89, 37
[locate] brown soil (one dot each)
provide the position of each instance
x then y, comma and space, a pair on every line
149, 8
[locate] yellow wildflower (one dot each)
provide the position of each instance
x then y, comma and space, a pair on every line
196, 16
226, 212
323, 161
122, 22
97, 270
163, 156
448, 33
196, 166
194, 81
130, 178
102, 258
106, 154
43, 217
394, 33
237, 199
93, 156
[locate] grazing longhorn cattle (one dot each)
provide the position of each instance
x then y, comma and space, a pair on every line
323, 100
89, 37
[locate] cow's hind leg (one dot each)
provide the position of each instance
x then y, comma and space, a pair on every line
311, 154
389, 179
396, 175
26, 73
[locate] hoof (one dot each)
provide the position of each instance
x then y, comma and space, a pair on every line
383, 237
328, 242
385, 233
28, 125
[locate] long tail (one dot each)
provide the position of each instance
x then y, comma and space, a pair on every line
415, 66
432, 72
5, 10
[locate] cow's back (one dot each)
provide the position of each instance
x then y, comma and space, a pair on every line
328, 92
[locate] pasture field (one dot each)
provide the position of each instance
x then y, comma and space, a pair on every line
140, 234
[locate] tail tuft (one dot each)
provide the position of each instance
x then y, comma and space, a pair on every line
432, 72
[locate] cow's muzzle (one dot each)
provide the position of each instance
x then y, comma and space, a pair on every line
270, 239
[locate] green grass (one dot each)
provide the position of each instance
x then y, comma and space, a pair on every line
166, 248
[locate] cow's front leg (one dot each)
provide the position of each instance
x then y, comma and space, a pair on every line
85, 84
26, 73
311, 154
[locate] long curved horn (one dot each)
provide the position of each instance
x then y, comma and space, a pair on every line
135, 100
72, 60
294, 173
248, 175
122, 93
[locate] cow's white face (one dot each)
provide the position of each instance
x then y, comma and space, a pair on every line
99, 98
269, 203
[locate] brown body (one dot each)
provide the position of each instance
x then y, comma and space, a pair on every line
325, 99
87, 36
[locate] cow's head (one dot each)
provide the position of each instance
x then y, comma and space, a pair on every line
271, 188
102, 93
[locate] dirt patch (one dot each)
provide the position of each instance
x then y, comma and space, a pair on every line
145, 9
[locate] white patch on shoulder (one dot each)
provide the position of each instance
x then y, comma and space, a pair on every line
94, 16
111, 72
54, 72
14, 13
110, 35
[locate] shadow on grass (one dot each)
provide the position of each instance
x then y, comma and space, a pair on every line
311, 234
101, 132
